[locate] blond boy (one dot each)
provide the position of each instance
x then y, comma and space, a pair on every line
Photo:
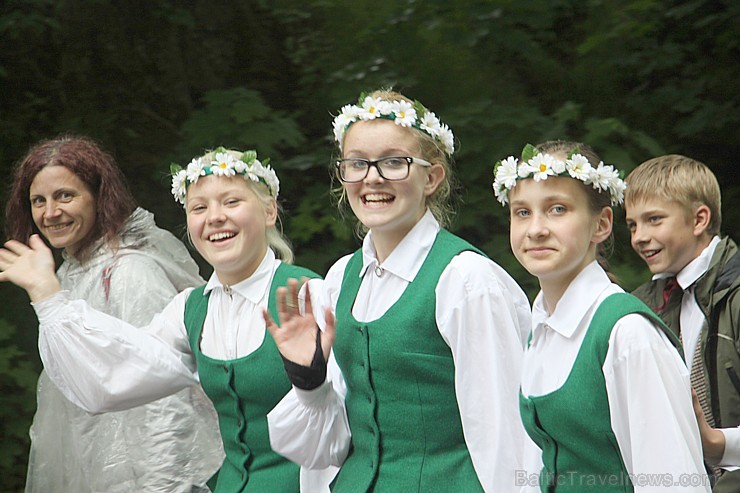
673, 213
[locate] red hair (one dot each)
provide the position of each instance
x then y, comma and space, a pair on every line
93, 166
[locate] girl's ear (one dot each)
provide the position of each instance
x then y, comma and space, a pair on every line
604, 224
271, 212
434, 178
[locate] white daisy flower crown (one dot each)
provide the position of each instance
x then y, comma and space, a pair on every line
539, 166
401, 112
223, 163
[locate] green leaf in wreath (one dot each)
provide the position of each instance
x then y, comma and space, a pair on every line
529, 152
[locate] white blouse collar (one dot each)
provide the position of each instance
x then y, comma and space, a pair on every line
577, 300
252, 288
406, 259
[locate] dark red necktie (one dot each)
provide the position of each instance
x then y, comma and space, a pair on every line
670, 286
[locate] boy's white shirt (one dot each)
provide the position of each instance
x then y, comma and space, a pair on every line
692, 318
647, 383
691, 321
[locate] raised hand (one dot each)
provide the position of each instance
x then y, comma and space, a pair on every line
296, 336
29, 266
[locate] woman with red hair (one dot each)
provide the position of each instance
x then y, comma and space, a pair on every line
72, 193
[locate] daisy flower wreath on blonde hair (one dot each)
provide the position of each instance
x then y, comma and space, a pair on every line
224, 163
402, 113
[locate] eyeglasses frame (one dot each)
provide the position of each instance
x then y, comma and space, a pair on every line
370, 163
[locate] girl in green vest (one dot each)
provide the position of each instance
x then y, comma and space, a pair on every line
604, 392
427, 331
214, 334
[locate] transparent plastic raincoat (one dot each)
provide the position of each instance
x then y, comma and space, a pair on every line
170, 445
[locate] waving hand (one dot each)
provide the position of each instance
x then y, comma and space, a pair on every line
29, 266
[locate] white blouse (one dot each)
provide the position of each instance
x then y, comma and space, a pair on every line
104, 364
481, 313
647, 385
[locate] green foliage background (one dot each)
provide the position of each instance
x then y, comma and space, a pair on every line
158, 81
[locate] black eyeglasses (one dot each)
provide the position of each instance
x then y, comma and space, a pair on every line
392, 168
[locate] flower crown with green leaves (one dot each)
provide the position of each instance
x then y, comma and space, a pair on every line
223, 163
401, 112
539, 166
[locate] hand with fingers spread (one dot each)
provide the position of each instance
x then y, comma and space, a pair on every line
303, 346
30, 267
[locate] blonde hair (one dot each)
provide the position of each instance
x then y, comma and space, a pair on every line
439, 202
275, 237
680, 179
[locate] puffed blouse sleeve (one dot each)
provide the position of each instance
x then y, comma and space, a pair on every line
649, 396
102, 364
310, 427
483, 315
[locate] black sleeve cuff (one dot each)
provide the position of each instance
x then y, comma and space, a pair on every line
308, 377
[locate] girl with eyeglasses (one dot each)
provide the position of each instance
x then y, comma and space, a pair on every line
427, 331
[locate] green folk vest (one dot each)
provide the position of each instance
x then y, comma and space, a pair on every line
243, 391
401, 405
572, 424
